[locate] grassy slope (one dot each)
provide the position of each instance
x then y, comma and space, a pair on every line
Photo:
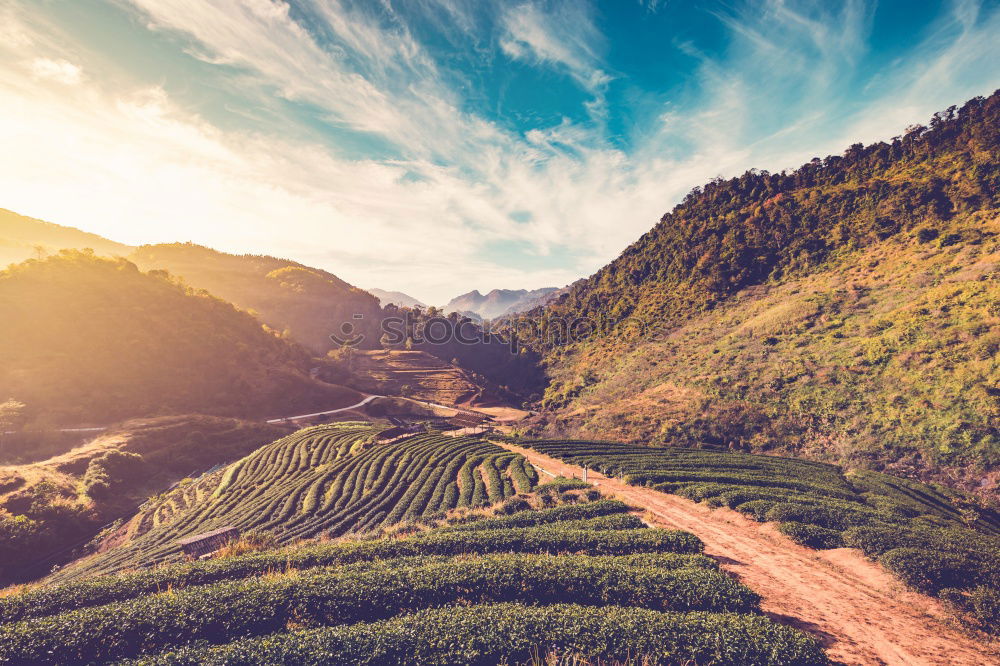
845, 311
886, 358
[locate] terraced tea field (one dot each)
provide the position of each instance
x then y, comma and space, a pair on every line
418, 375
931, 539
326, 480
582, 579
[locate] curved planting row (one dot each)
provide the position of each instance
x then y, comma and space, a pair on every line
585, 580
263, 605
98, 590
326, 480
511, 633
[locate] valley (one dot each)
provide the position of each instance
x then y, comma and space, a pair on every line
777, 442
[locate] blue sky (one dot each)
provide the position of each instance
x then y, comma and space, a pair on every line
436, 146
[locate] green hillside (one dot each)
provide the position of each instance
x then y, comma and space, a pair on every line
308, 303
95, 341
557, 574
327, 480
844, 311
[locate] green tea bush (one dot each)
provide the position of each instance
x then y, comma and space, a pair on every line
263, 605
829, 516
811, 535
326, 480
574, 512
511, 633
929, 570
561, 485
756, 509
514, 505
103, 590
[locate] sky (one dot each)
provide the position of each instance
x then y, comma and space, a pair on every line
440, 146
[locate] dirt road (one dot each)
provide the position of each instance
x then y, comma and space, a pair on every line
862, 614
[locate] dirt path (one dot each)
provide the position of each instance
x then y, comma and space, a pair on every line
861, 613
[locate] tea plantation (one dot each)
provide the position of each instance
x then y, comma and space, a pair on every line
582, 579
321, 481
934, 539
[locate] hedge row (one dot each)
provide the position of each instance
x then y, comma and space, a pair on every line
560, 516
102, 590
265, 605
531, 518
511, 633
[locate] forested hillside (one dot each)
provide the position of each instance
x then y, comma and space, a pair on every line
308, 303
846, 311
92, 341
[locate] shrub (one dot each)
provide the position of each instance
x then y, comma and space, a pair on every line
514, 505
981, 604
263, 605
102, 590
829, 516
511, 633
531, 518
561, 485
756, 509
811, 535
930, 571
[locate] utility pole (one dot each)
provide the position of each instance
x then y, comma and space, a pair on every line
585, 474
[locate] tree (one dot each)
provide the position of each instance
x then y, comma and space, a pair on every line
12, 417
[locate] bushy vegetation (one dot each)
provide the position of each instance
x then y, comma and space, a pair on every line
95, 341
263, 605
493, 633
307, 302
566, 580
844, 311
667, 550
49, 508
321, 481
928, 536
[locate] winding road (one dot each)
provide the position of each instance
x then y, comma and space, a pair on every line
860, 613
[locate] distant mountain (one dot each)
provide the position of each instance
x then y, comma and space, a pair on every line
26, 238
309, 303
498, 302
88, 340
844, 311
396, 298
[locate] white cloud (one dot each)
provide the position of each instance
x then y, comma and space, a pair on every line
562, 35
60, 71
136, 165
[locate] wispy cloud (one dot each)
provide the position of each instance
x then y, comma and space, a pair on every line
132, 161
61, 71
561, 34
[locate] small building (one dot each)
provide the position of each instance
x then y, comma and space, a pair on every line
472, 420
208, 542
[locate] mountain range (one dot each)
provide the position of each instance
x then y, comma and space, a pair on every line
498, 302
396, 298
